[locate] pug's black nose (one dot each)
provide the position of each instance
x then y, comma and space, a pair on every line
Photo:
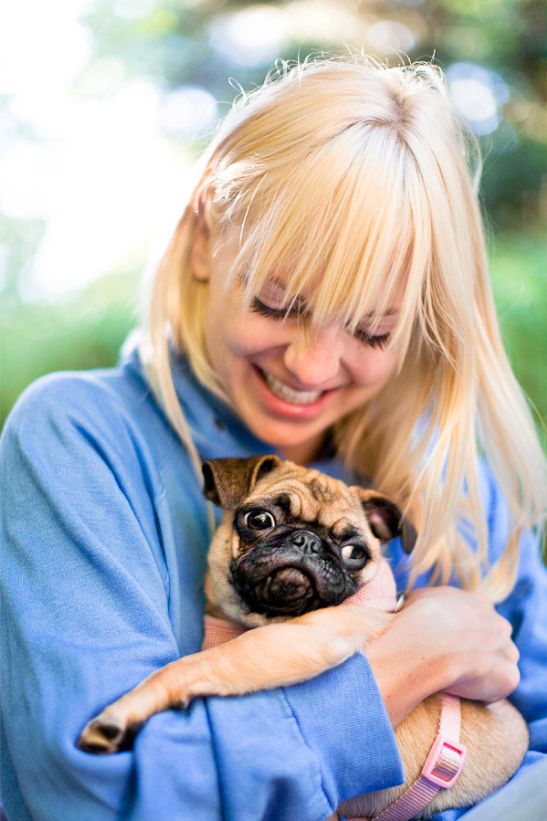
306, 541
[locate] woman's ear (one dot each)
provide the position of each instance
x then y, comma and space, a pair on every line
200, 254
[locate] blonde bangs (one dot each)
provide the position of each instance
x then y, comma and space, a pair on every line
349, 244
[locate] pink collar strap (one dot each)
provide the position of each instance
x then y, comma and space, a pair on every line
441, 770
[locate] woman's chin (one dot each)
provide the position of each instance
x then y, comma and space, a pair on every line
295, 439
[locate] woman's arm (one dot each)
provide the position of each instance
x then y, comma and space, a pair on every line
90, 608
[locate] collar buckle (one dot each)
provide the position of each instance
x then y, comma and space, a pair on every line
445, 761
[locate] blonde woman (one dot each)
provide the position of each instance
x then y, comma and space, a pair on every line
325, 297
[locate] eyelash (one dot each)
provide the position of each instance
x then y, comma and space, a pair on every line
273, 313
379, 341
259, 307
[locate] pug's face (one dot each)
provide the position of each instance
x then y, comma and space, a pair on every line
295, 553
292, 539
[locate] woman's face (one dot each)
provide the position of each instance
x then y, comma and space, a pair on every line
286, 384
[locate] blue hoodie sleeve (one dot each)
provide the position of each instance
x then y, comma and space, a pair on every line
526, 609
88, 613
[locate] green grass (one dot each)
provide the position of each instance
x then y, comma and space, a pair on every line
87, 329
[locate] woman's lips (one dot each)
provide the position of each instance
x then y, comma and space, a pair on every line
292, 395
281, 405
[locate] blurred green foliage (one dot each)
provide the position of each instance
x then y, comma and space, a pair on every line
85, 330
518, 274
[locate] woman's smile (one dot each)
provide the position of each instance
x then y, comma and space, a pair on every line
287, 401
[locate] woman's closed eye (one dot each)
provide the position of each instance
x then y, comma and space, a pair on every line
285, 311
373, 340
260, 307
273, 302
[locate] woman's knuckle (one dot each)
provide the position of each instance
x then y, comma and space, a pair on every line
516, 653
503, 627
512, 653
507, 626
514, 679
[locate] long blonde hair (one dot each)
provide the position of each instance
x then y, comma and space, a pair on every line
364, 175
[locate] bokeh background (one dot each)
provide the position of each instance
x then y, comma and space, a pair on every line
106, 103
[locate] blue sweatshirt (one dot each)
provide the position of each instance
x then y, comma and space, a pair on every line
104, 533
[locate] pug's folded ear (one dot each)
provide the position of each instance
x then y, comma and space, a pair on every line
386, 520
227, 482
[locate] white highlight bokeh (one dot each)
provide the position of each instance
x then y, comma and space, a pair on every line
93, 161
250, 37
479, 93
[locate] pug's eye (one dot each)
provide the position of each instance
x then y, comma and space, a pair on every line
259, 519
353, 553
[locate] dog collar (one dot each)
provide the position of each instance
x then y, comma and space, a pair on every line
441, 770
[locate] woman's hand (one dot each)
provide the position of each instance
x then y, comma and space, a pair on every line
444, 639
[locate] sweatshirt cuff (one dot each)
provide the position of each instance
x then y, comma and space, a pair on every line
342, 716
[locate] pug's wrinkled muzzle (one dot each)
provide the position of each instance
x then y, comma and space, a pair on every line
291, 577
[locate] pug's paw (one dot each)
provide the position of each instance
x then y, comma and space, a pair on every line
107, 734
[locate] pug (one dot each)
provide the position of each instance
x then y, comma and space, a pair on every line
294, 552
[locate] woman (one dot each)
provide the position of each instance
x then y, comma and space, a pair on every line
324, 297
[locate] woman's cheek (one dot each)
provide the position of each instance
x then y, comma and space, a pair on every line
374, 367
251, 335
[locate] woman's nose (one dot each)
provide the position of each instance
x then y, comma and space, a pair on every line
314, 357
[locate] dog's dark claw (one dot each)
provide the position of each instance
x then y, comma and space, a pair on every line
104, 736
90, 747
110, 731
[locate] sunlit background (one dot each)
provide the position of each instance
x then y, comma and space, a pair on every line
107, 103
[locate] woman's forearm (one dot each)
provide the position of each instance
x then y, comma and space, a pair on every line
406, 673
404, 686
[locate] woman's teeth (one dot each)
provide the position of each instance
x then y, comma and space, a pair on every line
290, 395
